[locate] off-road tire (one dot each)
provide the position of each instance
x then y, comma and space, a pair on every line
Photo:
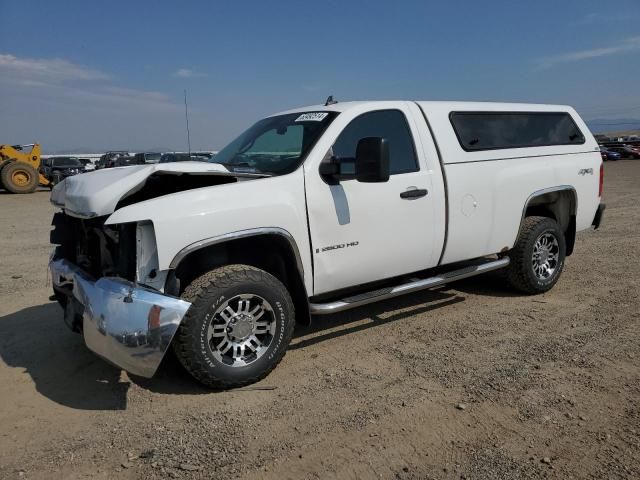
8, 172
520, 273
208, 291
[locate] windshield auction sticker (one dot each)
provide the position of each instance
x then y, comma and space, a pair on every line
312, 117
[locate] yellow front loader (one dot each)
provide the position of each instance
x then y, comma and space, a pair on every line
19, 168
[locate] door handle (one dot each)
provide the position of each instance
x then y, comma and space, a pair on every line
414, 193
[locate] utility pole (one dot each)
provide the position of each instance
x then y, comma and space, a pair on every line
186, 117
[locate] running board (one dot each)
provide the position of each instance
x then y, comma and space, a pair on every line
390, 292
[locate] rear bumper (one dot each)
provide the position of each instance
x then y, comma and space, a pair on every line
128, 325
597, 219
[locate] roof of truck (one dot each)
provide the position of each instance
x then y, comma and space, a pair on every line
437, 106
438, 115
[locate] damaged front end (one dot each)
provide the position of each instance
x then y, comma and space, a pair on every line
105, 269
96, 271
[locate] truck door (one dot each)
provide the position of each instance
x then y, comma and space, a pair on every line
362, 232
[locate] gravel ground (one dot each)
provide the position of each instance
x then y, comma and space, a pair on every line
467, 381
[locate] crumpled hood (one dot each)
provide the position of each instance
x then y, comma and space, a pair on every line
97, 193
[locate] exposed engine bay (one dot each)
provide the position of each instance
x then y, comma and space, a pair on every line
109, 250
160, 184
100, 250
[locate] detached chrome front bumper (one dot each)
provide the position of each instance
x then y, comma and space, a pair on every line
128, 325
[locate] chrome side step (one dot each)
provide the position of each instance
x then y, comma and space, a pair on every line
390, 292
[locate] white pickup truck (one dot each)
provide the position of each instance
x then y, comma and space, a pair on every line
314, 211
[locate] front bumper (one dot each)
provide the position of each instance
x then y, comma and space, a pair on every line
128, 325
597, 219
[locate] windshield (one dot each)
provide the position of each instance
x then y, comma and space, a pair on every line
275, 145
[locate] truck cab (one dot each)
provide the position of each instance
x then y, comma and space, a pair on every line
313, 211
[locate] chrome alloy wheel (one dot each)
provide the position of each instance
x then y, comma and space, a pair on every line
241, 330
546, 254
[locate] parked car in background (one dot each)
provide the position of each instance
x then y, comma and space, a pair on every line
625, 151
207, 155
124, 161
185, 157
608, 154
88, 164
143, 158
56, 169
108, 160
146, 158
174, 157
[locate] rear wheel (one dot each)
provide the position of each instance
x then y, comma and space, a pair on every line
19, 177
238, 327
538, 257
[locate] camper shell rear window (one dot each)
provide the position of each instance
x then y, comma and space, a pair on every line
478, 131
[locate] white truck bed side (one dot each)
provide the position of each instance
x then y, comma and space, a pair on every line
487, 190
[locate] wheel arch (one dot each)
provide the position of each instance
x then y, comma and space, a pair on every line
559, 203
273, 250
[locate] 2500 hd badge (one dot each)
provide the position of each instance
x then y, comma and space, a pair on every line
336, 247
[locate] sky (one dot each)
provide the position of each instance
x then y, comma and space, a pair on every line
110, 75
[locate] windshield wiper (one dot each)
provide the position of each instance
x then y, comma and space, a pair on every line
230, 165
244, 167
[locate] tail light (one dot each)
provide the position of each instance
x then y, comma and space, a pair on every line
601, 180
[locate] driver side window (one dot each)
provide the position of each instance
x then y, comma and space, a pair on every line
389, 124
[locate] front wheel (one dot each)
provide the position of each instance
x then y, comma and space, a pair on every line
238, 327
537, 259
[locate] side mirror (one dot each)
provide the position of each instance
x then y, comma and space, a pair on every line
372, 160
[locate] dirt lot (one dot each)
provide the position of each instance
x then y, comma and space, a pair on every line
469, 381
